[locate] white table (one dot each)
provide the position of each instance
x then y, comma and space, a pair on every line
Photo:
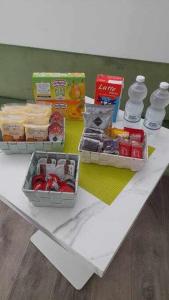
82, 241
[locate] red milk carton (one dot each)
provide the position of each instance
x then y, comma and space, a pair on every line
108, 91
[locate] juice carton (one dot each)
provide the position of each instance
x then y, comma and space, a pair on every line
65, 91
108, 90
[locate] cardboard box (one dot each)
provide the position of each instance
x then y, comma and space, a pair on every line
108, 90
65, 91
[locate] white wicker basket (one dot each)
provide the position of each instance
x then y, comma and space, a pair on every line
50, 198
134, 164
30, 147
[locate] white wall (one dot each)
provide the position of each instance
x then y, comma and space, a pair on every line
136, 29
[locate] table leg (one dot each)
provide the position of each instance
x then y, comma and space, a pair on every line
73, 268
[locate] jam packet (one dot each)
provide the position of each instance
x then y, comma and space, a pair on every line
56, 132
63, 161
137, 149
135, 134
58, 118
41, 165
125, 148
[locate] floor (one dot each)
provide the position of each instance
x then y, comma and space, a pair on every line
140, 270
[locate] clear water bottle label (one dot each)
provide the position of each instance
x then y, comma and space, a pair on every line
152, 125
131, 118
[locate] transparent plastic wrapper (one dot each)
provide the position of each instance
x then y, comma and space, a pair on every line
14, 108
97, 108
1, 117
98, 116
36, 132
12, 127
37, 119
39, 109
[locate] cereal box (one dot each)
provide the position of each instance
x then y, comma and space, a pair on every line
108, 90
65, 91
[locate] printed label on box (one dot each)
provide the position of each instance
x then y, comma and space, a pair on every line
65, 91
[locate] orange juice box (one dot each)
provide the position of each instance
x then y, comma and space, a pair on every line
65, 91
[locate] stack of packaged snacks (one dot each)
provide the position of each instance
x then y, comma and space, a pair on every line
99, 135
64, 91
31, 123
128, 142
37, 122
12, 119
122, 142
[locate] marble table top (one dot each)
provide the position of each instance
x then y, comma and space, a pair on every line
92, 230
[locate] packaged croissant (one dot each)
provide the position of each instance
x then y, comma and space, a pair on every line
37, 118
1, 116
12, 127
35, 133
14, 108
39, 108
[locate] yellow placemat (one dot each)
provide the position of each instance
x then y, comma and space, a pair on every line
102, 181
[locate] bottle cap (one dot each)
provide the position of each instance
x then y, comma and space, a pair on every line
140, 78
164, 85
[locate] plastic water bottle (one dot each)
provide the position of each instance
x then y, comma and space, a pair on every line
134, 106
156, 111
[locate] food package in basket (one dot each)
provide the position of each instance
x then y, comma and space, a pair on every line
14, 109
103, 144
36, 132
46, 110
12, 127
32, 127
65, 91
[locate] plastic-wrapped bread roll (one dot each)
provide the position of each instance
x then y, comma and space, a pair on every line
36, 132
37, 119
12, 127
14, 109
39, 109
